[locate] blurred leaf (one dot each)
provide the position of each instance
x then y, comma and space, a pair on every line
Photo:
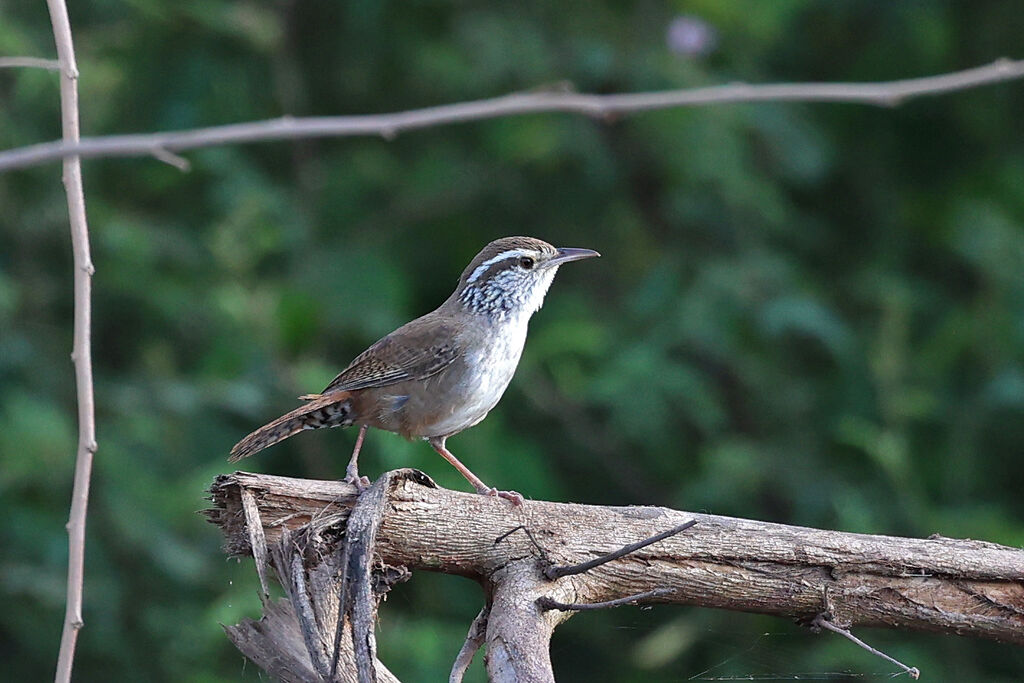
804, 317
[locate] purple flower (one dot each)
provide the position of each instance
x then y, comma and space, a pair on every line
690, 36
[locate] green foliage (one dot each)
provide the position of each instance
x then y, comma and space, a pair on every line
805, 313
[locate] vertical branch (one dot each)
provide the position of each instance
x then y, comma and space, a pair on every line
80, 354
519, 630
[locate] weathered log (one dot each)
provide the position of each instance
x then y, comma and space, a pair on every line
937, 584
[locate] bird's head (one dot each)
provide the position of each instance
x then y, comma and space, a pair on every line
510, 276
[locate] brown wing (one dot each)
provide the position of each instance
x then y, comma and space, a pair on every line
416, 350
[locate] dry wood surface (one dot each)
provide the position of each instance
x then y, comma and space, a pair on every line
939, 584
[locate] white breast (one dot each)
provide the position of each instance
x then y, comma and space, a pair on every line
491, 366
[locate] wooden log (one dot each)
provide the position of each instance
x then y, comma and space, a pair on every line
938, 584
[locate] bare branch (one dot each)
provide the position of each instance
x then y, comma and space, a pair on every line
30, 62
548, 603
81, 353
474, 639
558, 572
822, 621
171, 159
519, 632
604, 107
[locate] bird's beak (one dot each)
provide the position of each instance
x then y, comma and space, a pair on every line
566, 254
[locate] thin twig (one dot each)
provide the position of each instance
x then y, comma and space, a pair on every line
529, 534
176, 160
546, 603
822, 621
557, 572
80, 354
30, 62
604, 107
474, 639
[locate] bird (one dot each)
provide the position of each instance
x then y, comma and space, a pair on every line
443, 372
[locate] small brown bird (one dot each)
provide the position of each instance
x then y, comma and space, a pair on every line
441, 373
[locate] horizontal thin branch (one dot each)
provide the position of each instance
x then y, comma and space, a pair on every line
30, 62
885, 93
546, 603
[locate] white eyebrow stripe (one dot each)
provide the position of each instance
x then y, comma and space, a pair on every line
491, 261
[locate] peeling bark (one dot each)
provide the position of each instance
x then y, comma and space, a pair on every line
937, 584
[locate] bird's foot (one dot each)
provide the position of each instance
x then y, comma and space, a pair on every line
512, 496
352, 477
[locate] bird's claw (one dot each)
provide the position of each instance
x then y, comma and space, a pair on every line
353, 478
511, 496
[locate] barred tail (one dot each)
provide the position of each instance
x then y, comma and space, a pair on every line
322, 410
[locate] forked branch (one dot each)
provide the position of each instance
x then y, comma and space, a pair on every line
937, 584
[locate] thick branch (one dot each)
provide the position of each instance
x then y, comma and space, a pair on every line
886, 93
81, 353
937, 584
518, 629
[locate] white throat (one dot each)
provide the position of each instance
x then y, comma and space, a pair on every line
511, 295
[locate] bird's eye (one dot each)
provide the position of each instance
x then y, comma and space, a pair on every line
526, 262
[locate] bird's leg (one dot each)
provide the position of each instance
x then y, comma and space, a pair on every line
352, 470
481, 488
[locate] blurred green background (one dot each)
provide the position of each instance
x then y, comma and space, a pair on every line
811, 314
